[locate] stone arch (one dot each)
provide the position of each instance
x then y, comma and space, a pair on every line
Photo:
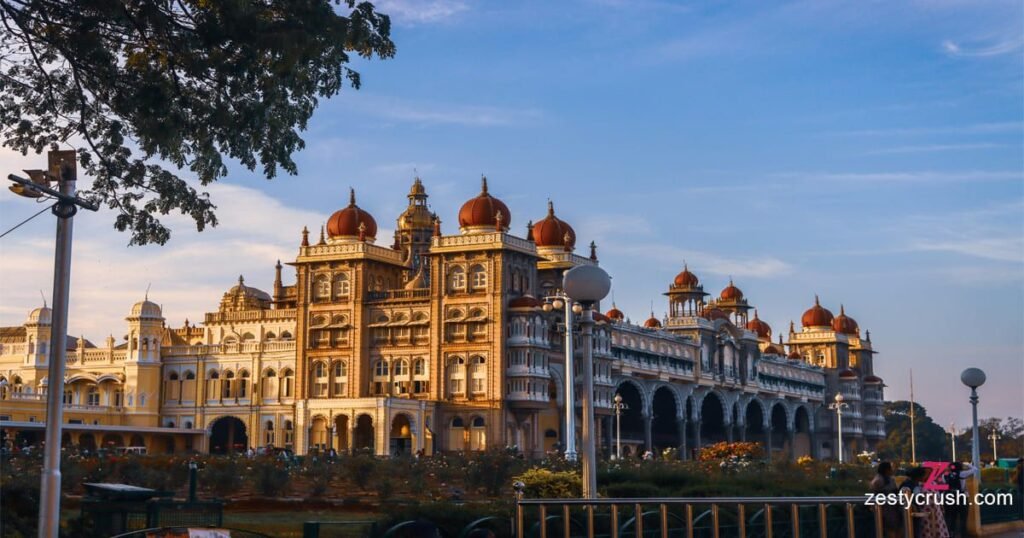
641, 388
786, 415
559, 382
721, 399
714, 413
363, 433
666, 408
763, 412
401, 434
228, 434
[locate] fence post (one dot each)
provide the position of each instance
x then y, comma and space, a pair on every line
311, 529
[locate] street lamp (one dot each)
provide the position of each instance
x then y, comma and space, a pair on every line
994, 437
587, 284
952, 438
838, 406
62, 168
974, 378
561, 301
619, 407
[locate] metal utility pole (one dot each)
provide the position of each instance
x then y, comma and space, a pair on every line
952, 437
913, 426
63, 168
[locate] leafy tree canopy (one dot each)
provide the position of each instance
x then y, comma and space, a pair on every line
186, 82
931, 438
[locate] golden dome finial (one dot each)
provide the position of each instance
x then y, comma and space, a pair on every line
551, 208
483, 184
351, 197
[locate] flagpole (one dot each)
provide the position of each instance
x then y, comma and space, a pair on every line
913, 436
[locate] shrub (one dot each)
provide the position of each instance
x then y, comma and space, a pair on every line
221, 475
270, 477
725, 450
995, 475
319, 474
546, 484
360, 468
491, 471
634, 490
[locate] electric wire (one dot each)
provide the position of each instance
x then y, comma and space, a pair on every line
18, 225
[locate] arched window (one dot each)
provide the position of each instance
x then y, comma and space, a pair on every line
189, 375
269, 384
270, 335
380, 368
288, 383
457, 279
289, 433
419, 367
321, 288
243, 384
340, 378
401, 368
92, 396
248, 337
268, 433
477, 434
319, 380
478, 277
341, 285
226, 383
285, 335
172, 388
457, 376
478, 375
457, 434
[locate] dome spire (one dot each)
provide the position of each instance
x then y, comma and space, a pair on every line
483, 184
551, 208
593, 251
351, 197
305, 236
816, 302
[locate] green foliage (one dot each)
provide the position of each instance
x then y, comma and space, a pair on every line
633, 490
548, 484
270, 476
221, 475
192, 83
991, 476
360, 468
492, 471
319, 474
932, 441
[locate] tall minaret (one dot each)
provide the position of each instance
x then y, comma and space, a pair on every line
415, 227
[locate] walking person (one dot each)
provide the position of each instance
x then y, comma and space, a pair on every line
883, 483
956, 512
926, 516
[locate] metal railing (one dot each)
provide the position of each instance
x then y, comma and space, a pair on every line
695, 517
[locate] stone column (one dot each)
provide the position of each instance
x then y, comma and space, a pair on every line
681, 429
609, 435
814, 443
696, 434
791, 435
743, 432
648, 423
728, 432
768, 442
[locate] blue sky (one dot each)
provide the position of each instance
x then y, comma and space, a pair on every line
867, 152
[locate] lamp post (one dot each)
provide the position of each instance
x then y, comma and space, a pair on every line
62, 168
952, 438
619, 407
560, 301
587, 284
974, 378
995, 437
838, 406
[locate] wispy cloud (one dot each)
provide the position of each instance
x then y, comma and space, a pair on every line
996, 48
926, 176
433, 113
421, 11
933, 148
989, 233
975, 128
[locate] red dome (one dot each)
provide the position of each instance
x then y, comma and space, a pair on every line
715, 313
847, 374
731, 293
762, 329
686, 279
346, 222
816, 316
772, 349
482, 210
525, 301
795, 355
599, 317
845, 324
615, 314
552, 231
873, 380
652, 322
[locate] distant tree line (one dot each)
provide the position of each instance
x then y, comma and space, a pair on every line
934, 442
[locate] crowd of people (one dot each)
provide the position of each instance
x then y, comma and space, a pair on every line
932, 516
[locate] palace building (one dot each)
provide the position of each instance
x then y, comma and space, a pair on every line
440, 342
